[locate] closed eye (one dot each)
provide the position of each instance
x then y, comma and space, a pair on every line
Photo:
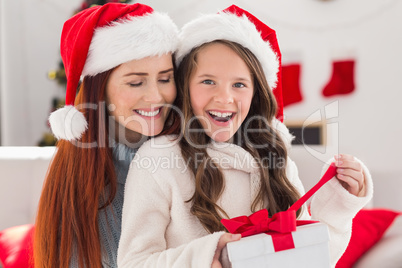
165, 81
135, 84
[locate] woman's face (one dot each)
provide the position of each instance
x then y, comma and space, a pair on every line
138, 91
221, 90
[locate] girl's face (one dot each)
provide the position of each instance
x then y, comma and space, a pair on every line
221, 90
137, 93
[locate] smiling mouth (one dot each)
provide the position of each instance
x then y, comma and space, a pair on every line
148, 113
221, 117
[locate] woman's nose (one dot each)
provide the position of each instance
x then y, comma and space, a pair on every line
153, 94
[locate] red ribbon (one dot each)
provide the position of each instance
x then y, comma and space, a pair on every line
281, 224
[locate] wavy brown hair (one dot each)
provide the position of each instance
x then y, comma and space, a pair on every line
276, 192
75, 188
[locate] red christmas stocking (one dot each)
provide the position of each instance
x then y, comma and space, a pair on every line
342, 80
291, 84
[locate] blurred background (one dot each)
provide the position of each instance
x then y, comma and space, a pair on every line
341, 69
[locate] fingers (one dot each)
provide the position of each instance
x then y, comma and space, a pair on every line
226, 238
347, 161
216, 264
352, 185
223, 240
350, 174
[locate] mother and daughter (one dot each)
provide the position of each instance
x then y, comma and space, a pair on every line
224, 153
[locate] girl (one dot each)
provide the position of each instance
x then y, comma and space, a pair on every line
124, 54
231, 159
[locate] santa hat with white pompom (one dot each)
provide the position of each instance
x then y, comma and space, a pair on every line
238, 25
100, 38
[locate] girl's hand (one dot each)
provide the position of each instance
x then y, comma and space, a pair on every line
225, 238
350, 174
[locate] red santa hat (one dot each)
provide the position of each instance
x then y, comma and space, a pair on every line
239, 26
100, 38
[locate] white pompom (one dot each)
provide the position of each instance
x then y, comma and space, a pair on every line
283, 132
68, 123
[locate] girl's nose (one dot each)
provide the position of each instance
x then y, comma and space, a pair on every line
224, 95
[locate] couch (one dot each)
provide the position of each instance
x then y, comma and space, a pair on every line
23, 170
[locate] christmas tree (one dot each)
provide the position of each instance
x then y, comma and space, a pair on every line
59, 74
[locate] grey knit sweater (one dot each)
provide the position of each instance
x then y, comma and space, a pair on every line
110, 217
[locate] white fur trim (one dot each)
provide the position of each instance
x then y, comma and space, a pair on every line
68, 123
135, 38
230, 27
283, 132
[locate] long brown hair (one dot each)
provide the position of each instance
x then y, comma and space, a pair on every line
276, 192
74, 189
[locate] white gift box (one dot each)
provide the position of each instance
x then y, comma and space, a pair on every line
311, 250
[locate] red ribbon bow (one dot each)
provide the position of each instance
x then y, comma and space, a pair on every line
281, 224
259, 222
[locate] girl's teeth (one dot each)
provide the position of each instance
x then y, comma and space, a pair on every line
150, 114
218, 114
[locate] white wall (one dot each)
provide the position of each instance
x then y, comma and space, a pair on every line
364, 123
30, 38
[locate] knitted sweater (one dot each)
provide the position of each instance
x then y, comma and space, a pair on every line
158, 229
109, 219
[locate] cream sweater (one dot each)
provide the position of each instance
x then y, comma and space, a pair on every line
158, 229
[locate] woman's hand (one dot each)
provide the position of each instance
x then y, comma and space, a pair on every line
350, 174
225, 238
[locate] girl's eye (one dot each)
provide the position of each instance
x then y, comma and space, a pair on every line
239, 85
135, 84
208, 82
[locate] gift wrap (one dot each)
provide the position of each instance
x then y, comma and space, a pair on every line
280, 241
311, 249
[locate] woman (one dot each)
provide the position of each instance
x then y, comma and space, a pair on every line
124, 54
